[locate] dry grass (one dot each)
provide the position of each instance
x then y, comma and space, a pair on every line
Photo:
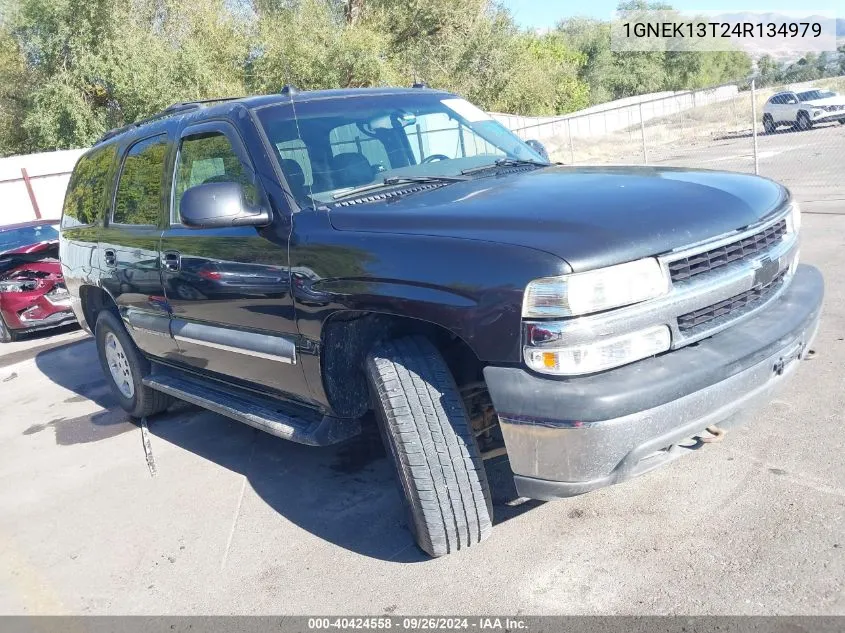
688, 128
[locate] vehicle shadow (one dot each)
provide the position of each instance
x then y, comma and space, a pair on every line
345, 494
30, 344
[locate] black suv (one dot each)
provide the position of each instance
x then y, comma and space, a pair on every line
294, 261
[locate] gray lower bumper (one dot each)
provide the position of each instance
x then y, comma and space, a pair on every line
569, 436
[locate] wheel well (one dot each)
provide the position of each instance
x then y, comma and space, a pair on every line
94, 300
349, 336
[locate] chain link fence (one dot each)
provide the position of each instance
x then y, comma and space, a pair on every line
717, 128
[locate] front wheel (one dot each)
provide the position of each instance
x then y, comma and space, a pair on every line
6, 335
804, 122
429, 437
769, 124
125, 367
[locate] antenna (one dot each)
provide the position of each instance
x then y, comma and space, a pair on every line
290, 91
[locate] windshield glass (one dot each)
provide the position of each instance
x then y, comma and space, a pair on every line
26, 236
812, 95
339, 144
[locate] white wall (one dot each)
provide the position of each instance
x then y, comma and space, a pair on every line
48, 172
615, 115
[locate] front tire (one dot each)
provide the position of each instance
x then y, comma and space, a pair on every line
804, 122
429, 437
6, 335
125, 367
769, 124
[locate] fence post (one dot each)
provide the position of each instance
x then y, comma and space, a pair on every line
642, 134
32, 199
754, 125
569, 134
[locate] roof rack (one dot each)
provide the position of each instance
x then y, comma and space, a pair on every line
170, 110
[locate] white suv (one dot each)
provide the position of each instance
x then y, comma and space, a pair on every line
803, 109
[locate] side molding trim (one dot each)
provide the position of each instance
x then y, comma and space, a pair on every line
264, 346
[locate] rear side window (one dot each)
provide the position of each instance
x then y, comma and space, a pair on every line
85, 199
138, 198
206, 158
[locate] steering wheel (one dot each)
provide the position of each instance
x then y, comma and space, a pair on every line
434, 157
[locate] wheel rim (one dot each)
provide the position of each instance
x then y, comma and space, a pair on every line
803, 122
121, 372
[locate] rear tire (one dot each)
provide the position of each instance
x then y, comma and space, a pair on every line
769, 124
6, 335
804, 122
120, 358
428, 434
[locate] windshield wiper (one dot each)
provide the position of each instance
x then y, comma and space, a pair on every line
396, 180
504, 162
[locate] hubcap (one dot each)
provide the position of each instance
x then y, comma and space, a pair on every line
121, 373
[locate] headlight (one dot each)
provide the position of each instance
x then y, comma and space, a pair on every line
17, 286
601, 354
595, 290
795, 217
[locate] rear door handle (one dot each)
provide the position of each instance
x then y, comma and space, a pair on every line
171, 261
109, 257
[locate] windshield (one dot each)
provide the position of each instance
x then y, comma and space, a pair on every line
340, 144
26, 236
812, 95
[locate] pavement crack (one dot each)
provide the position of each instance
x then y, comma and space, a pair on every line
148, 447
238, 507
797, 478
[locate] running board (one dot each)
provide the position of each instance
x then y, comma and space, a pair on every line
255, 410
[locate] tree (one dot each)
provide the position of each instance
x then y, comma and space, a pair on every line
769, 71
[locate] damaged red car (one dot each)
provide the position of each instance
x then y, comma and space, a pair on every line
33, 295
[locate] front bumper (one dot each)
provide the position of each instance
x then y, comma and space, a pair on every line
32, 311
827, 117
568, 436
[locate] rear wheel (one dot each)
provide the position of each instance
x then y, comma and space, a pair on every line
769, 124
429, 437
125, 367
6, 335
804, 122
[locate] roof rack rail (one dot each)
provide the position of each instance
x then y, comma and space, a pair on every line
170, 110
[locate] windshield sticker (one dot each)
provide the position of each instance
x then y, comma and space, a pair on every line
466, 110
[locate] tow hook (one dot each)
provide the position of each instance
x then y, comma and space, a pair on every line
795, 353
716, 435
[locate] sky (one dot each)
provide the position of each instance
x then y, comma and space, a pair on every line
546, 13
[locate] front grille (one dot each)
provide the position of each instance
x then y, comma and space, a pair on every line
701, 263
733, 306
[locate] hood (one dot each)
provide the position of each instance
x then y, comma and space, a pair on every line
39, 259
40, 250
827, 101
588, 216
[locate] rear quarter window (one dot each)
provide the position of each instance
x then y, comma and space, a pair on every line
85, 200
139, 191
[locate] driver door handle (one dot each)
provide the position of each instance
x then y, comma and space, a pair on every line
171, 261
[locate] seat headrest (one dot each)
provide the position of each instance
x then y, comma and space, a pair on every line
351, 169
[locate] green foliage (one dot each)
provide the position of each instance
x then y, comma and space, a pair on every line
71, 70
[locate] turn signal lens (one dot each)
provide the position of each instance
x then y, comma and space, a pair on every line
601, 354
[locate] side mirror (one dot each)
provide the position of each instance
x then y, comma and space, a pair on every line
538, 147
220, 204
